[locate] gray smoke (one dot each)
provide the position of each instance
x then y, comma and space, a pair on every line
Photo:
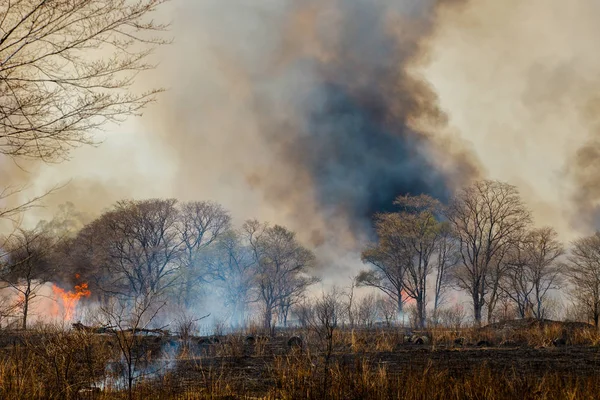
311, 114
312, 105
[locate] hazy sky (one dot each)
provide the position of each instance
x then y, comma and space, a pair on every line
499, 89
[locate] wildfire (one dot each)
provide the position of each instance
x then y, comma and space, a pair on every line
70, 299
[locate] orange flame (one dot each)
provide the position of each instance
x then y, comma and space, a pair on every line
69, 300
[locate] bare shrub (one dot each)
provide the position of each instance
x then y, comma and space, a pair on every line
387, 310
366, 313
452, 317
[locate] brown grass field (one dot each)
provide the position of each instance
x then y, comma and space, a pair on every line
517, 360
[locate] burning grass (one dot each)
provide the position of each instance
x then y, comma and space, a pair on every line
66, 301
521, 362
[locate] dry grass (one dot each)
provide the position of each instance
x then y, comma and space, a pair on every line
53, 364
360, 380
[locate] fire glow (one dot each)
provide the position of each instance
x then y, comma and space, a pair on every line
69, 299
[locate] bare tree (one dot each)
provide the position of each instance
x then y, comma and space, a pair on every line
386, 274
447, 258
516, 283
546, 272
232, 268
350, 306
487, 217
366, 311
324, 316
66, 68
201, 223
87, 254
135, 247
583, 272
498, 269
533, 270
407, 241
27, 266
453, 316
328, 312
386, 309
128, 318
292, 293
282, 265
304, 311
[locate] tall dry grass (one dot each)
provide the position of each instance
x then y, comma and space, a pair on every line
360, 380
55, 364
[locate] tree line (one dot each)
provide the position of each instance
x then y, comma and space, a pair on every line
483, 242
162, 249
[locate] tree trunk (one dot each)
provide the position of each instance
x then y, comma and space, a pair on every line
436, 305
399, 307
421, 312
285, 311
26, 296
477, 306
268, 317
25, 311
421, 315
187, 296
492, 304
130, 381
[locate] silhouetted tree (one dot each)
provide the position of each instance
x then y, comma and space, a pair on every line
135, 247
232, 269
583, 272
26, 266
201, 224
447, 258
533, 270
66, 68
487, 218
404, 255
281, 264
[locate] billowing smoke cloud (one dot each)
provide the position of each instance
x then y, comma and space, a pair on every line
313, 105
307, 113
315, 114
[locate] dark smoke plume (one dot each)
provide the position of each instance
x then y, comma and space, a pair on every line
315, 114
307, 113
343, 122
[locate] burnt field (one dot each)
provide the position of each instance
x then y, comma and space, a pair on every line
537, 361
253, 373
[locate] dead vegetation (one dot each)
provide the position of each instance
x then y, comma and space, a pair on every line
511, 360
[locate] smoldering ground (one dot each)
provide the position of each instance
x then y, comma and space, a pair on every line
316, 114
